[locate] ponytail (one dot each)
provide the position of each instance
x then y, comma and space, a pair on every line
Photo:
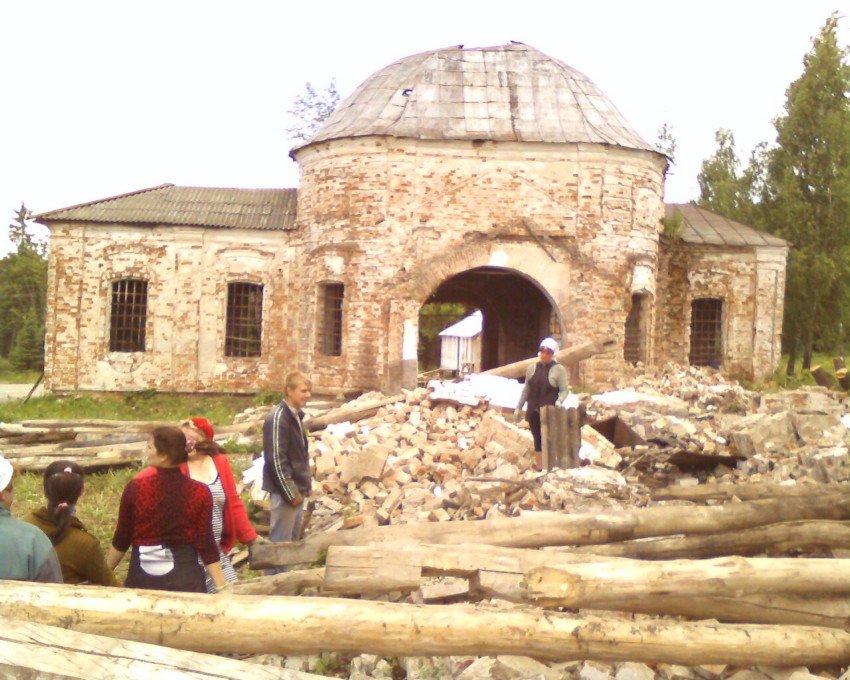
63, 484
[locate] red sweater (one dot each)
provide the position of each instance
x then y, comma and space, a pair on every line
235, 525
160, 506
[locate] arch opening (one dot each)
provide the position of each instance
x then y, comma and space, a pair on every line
515, 313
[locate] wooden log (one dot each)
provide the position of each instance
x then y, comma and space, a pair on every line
822, 377
831, 611
567, 357
296, 625
843, 377
373, 570
747, 491
561, 437
838, 363
350, 413
552, 529
286, 583
34, 650
603, 586
774, 539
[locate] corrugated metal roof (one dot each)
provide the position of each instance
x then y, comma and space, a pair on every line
702, 226
504, 93
272, 209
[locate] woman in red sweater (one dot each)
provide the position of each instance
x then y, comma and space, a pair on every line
208, 464
167, 519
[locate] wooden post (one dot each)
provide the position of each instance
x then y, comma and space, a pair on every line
560, 430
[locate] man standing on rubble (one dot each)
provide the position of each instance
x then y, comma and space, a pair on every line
286, 468
26, 553
546, 383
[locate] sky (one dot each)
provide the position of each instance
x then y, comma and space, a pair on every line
101, 98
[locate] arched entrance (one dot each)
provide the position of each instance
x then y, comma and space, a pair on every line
516, 313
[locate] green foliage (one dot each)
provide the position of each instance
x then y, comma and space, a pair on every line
807, 197
27, 353
799, 190
217, 408
23, 287
666, 142
434, 317
673, 225
310, 110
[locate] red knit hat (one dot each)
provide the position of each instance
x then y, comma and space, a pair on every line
204, 426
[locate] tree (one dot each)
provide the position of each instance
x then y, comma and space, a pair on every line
807, 197
23, 290
720, 184
666, 142
27, 351
310, 110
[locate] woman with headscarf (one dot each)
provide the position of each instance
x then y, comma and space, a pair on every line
546, 384
208, 464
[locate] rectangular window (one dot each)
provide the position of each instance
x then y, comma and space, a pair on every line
330, 331
706, 332
633, 347
244, 326
129, 316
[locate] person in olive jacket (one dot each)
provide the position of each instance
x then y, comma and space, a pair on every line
286, 461
80, 553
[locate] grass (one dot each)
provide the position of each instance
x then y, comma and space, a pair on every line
143, 405
98, 506
8, 375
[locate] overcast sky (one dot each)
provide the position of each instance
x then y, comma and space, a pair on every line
106, 97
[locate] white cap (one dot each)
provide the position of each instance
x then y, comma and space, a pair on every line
550, 344
5, 473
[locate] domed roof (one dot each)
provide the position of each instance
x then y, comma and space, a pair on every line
505, 93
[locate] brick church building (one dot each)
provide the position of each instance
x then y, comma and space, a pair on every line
497, 177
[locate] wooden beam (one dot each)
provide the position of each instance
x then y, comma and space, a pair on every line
539, 529
300, 625
567, 357
35, 650
773, 539
602, 586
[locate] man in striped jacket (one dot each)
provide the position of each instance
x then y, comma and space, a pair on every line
286, 469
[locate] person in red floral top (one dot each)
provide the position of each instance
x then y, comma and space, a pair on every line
167, 520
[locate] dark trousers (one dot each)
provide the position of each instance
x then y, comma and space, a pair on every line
534, 426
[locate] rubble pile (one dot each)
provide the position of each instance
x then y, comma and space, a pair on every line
443, 454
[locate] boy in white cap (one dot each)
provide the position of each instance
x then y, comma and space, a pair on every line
546, 383
26, 553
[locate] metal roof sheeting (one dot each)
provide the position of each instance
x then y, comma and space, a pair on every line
704, 227
504, 93
271, 209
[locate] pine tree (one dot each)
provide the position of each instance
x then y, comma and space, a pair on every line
807, 197
27, 352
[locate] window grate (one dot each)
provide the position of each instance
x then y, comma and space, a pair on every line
244, 325
633, 346
129, 314
330, 333
706, 332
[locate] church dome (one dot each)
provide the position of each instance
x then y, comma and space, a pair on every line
504, 93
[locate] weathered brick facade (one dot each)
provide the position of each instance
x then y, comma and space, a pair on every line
547, 222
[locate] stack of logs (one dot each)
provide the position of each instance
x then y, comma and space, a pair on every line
670, 583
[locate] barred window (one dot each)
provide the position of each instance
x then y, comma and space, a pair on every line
129, 315
330, 318
634, 346
244, 326
706, 332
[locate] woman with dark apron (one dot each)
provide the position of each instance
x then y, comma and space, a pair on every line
167, 520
